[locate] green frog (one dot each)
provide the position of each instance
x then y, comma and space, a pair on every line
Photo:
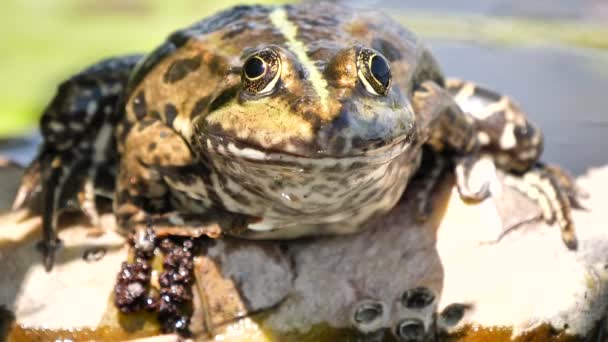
275, 122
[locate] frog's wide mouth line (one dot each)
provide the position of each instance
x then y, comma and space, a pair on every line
247, 152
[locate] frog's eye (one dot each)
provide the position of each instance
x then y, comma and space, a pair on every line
261, 72
373, 71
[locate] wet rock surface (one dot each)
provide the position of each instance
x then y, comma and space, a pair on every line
386, 282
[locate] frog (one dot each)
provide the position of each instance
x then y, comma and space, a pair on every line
274, 122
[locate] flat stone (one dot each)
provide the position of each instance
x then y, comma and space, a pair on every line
391, 278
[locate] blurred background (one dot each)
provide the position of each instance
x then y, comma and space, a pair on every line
550, 55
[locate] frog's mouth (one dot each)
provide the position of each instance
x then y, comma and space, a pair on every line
231, 149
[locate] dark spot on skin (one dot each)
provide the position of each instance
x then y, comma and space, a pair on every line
240, 198
345, 182
143, 68
200, 106
140, 107
180, 68
223, 98
170, 113
151, 146
372, 194
217, 64
387, 49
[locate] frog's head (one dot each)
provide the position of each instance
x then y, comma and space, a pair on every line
309, 142
285, 104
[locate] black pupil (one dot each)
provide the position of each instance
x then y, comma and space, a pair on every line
380, 70
254, 67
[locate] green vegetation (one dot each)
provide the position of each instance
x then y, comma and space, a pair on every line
45, 41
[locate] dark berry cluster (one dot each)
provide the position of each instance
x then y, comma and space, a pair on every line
175, 282
173, 301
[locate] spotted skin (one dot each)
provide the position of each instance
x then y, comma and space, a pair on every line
516, 144
78, 152
322, 148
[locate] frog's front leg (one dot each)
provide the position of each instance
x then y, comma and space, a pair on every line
446, 129
161, 199
151, 154
515, 144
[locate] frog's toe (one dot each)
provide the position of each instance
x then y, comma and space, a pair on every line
476, 193
568, 184
543, 186
369, 316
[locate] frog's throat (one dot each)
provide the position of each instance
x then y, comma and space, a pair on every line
289, 30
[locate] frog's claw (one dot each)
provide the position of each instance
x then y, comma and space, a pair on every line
568, 184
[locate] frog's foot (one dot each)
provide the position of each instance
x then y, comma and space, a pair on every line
463, 170
552, 191
568, 185
409, 318
140, 288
